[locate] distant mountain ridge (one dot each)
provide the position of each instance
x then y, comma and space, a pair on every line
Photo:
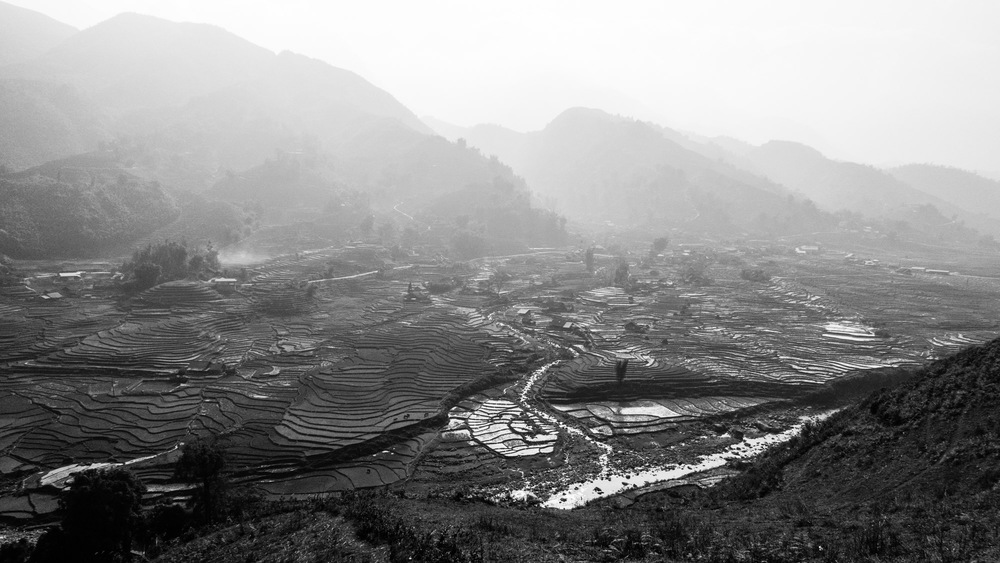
132, 61
188, 103
960, 187
569, 163
136, 72
206, 114
594, 164
25, 34
862, 188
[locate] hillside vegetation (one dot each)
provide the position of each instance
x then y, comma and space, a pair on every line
61, 210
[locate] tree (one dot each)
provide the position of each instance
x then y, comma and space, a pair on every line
203, 462
622, 274
621, 366
659, 245
589, 259
101, 515
498, 279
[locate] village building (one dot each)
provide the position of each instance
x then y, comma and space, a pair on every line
223, 284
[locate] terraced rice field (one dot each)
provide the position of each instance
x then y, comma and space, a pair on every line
356, 386
501, 425
345, 391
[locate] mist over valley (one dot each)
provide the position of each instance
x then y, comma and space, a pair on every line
252, 307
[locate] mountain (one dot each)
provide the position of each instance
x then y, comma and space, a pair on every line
596, 165
447, 130
859, 188
194, 108
25, 34
42, 121
968, 190
185, 87
132, 61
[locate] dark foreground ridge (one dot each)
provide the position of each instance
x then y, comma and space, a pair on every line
909, 473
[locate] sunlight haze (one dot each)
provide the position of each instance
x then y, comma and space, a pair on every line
879, 82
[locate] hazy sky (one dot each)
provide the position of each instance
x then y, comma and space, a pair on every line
878, 81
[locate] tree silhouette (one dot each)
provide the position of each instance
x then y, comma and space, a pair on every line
622, 274
203, 462
101, 514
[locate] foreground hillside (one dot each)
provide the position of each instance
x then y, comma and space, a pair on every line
908, 474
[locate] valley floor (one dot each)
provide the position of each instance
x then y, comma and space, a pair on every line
489, 392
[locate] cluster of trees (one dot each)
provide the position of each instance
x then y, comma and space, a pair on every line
167, 261
103, 520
